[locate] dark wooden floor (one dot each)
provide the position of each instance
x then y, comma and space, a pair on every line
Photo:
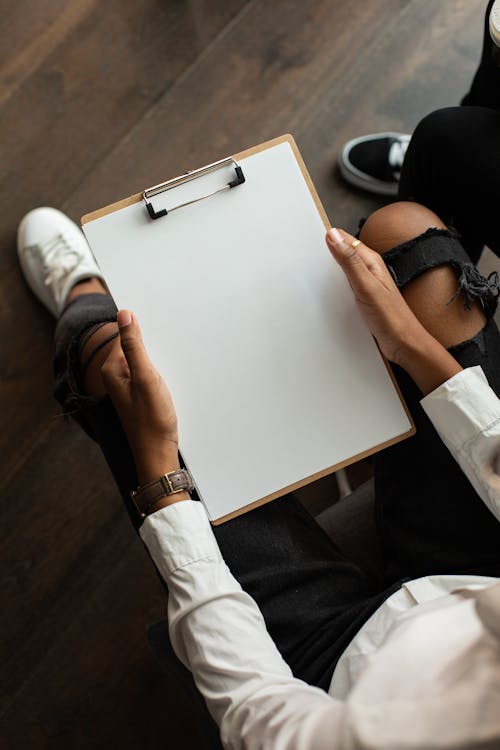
97, 101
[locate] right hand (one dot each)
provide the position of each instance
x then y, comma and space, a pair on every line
380, 302
142, 401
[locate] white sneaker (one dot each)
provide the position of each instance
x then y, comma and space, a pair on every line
54, 255
495, 22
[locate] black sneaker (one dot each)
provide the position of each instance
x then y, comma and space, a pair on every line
373, 162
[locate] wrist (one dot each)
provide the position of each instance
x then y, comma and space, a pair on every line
156, 462
427, 361
166, 488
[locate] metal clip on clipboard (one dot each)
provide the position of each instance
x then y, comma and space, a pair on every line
176, 181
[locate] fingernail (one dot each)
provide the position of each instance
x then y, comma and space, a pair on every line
124, 318
336, 238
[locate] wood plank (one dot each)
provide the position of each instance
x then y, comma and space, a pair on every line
79, 530
86, 129
119, 698
93, 88
423, 61
281, 59
352, 86
94, 84
31, 42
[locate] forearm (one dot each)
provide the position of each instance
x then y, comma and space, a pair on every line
249, 690
426, 361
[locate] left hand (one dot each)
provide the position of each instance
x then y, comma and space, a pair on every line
399, 334
380, 302
142, 401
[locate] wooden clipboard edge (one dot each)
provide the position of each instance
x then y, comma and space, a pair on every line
332, 469
395, 383
360, 456
326, 221
286, 138
319, 475
86, 218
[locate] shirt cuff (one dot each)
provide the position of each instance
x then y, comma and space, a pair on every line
179, 535
462, 407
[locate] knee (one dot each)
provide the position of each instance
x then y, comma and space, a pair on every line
429, 294
434, 130
433, 299
397, 223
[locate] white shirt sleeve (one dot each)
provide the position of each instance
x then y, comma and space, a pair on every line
466, 413
218, 632
433, 683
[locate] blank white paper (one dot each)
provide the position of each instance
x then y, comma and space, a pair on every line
274, 375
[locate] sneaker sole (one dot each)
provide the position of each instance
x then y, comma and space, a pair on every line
372, 186
494, 23
359, 179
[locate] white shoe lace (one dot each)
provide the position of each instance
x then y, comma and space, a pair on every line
59, 257
397, 153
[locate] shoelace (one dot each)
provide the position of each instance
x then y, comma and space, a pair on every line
397, 153
59, 257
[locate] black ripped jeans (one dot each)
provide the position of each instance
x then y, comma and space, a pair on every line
430, 519
452, 162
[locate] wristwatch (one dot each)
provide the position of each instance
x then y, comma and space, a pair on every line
146, 496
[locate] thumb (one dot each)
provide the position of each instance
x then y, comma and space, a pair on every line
132, 343
352, 260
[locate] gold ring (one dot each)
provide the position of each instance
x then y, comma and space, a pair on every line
354, 244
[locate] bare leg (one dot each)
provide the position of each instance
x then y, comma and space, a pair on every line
428, 294
89, 286
92, 381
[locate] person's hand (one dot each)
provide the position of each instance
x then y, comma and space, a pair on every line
398, 332
380, 302
142, 401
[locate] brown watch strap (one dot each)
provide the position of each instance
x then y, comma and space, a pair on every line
169, 484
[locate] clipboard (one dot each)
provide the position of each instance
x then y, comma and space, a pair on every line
276, 379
